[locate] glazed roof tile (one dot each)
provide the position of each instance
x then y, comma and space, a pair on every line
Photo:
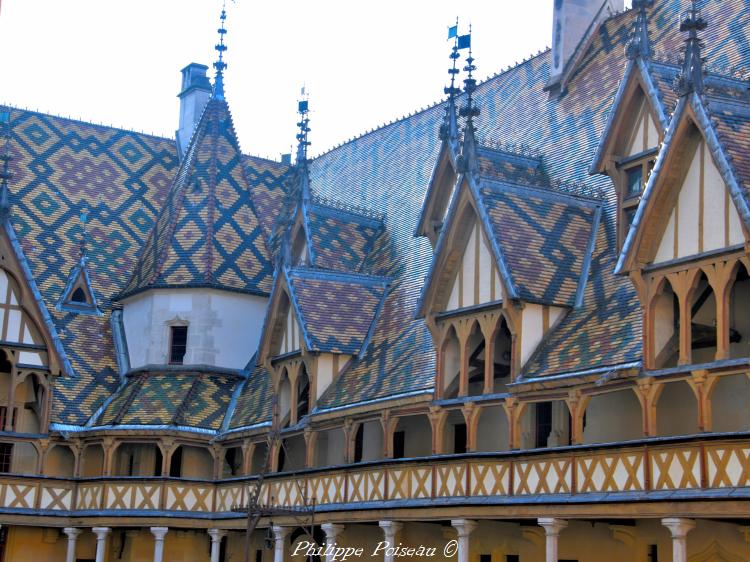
254, 405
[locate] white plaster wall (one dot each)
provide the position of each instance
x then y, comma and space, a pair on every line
372, 441
325, 373
645, 134
292, 338
492, 430
730, 404
676, 410
330, 447
196, 463
614, 416
418, 436
224, 328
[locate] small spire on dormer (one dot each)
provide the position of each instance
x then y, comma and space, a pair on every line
5, 158
220, 65
449, 127
690, 78
469, 110
639, 44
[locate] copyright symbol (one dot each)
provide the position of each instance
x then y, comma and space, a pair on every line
451, 548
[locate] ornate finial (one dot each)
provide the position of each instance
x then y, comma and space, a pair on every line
84, 237
5, 173
467, 162
690, 78
220, 65
303, 108
449, 127
639, 44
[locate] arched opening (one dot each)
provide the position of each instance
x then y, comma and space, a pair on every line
25, 458
613, 416
92, 461
368, 441
191, 462
703, 322
292, 453
258, 462
676, 410
739, 319
546, 424
730, 404
450, 364
303, 393
137, 459
330, 447
60, 462
455, 434
493, 432
8, 412
475, 354
232, 465
29, 399
503, 348
412, 437
285, 400
665, 331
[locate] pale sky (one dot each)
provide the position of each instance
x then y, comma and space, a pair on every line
363, 63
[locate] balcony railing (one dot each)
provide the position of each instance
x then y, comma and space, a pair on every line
643, 470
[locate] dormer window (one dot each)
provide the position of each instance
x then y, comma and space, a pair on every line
177, 344
79, 296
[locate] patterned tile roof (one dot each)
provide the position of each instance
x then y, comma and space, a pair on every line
208, 233
254, 404
336, 311
171, 399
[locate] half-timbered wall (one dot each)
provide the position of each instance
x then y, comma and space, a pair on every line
704, 217
329, 365
477, 280
15, 325
292, 338
644, 134
537, 320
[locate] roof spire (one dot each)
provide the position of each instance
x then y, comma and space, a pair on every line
449, 127
5, 173
303, 108
690, 78
469, 110
220, 65
639, 44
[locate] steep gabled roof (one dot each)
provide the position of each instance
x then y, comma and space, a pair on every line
208, 233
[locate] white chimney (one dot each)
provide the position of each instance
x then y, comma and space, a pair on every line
573, 21
196, 90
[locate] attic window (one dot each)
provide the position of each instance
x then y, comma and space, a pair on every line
177, 344
631, 181
78, 296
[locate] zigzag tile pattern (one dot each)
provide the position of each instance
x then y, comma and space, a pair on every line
544, 239
336, 311
254, 404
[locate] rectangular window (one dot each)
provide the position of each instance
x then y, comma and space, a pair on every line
459, 438
653, 553
635, 180
399, 442
177, 344
485, 558
512, 558
543, 423
629, 215
6, 452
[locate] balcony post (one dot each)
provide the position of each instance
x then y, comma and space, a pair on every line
101, 542
159, 534
279, 545
679, 528
216, 536
464, 527
332, 531
72, 532
552, 529
390, 530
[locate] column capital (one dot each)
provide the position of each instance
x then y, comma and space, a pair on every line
552, 525
332, 530
159, 532
72, 532
280, 533
217, 534
464, 527
101, 532
678, 526
390, 528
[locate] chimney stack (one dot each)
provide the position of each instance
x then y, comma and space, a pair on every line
572, 22
196, 90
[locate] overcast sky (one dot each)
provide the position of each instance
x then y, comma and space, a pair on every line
363, 63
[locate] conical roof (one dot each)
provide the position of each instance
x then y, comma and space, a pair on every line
208, 233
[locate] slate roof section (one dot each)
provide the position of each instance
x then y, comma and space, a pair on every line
179, 399
336, 311
208, 233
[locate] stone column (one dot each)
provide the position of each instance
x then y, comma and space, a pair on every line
159, 534
332, 531
216, 536
679, 529
390, 530
279, 547
101, 542
552, 529
72, 533
464, 527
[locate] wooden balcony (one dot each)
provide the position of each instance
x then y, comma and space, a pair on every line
641, 471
